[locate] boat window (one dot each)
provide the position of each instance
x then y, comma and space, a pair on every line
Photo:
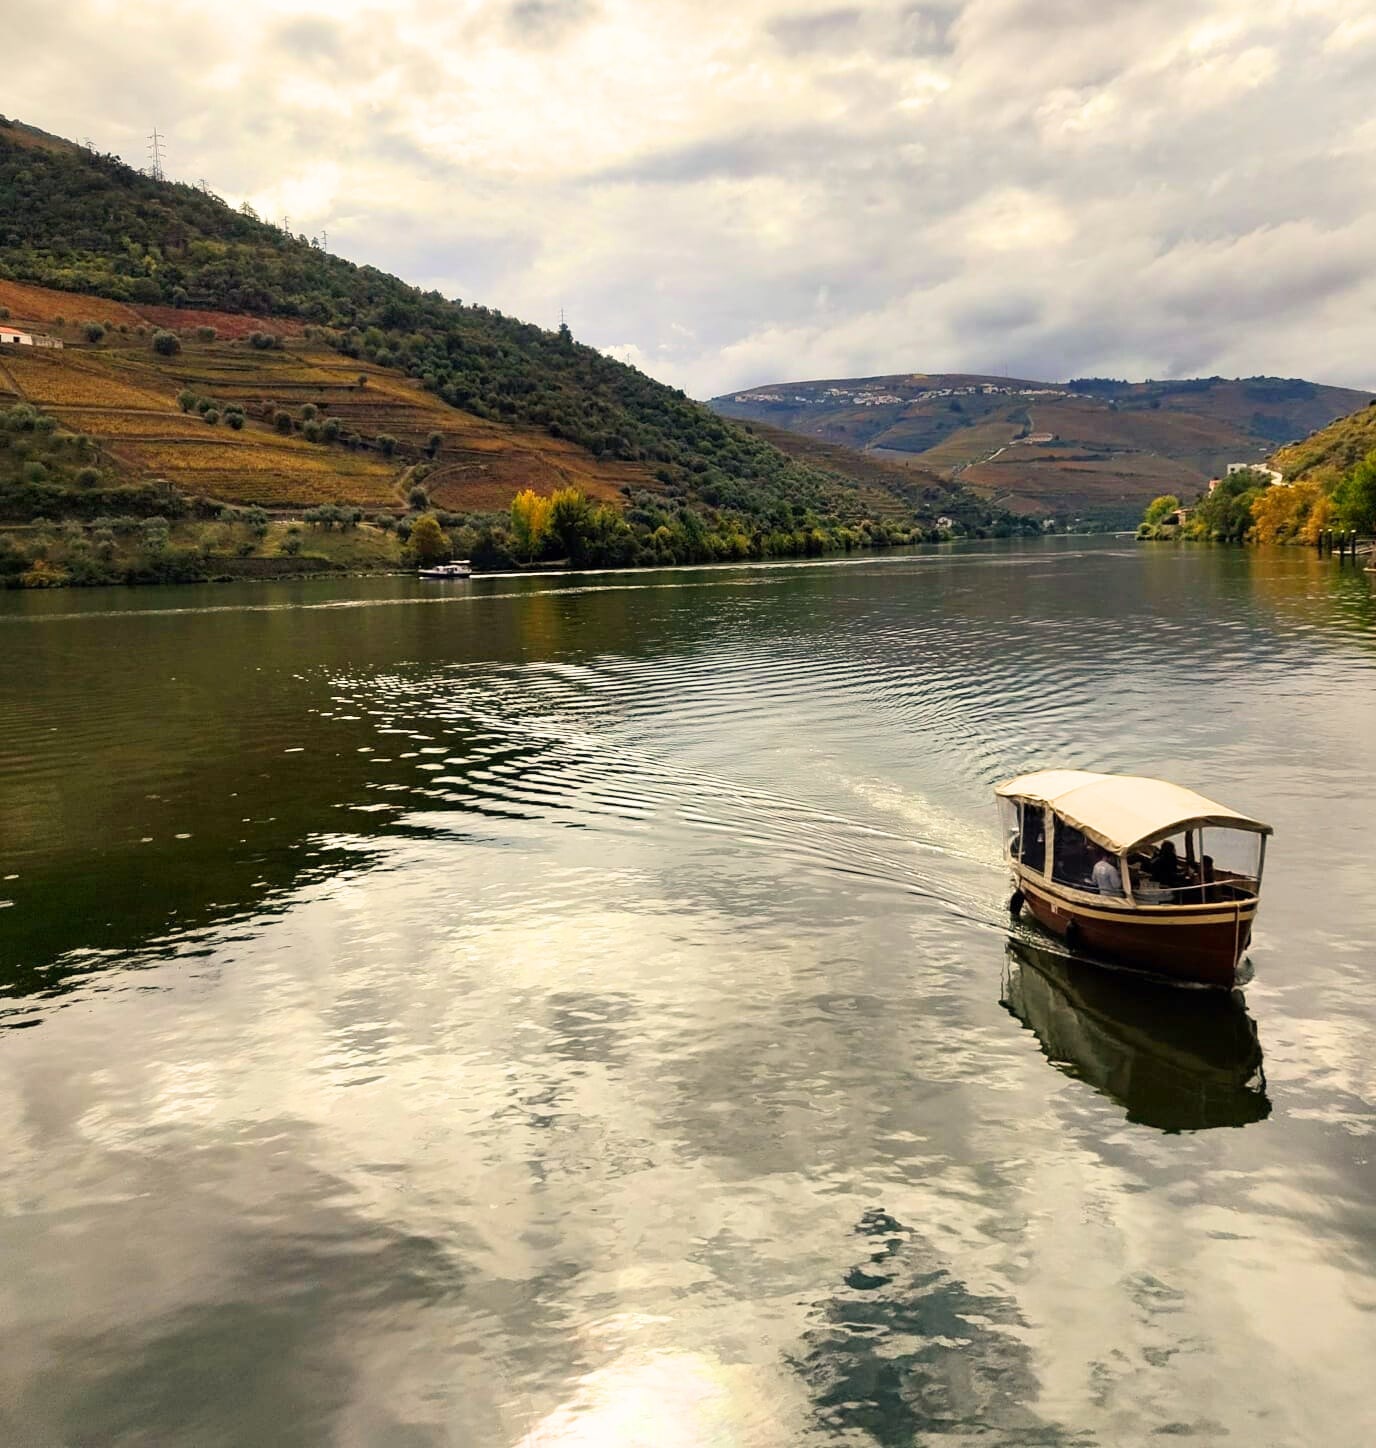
1232, 858
1033, 837
1008, 820
1196, 867
1075, 856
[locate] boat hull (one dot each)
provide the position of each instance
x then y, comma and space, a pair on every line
1199, 944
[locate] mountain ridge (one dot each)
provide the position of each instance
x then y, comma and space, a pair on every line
1089, 449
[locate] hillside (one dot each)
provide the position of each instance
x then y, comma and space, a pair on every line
293, 378
1091, 449
1331, 453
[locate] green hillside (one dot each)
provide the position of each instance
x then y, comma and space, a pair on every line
481, 404
1091, 450
1330, 454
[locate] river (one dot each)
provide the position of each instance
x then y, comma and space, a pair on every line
581, 1010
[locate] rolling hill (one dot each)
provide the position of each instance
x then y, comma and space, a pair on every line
1092, 449
287, 378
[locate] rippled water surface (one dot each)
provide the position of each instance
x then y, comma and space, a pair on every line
580, 1011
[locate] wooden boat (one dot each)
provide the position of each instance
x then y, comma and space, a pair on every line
460, 568
1135, 871
1175, 1060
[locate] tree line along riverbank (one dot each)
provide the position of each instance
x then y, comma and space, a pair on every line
1327, 491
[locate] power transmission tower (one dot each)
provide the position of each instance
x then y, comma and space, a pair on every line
324, 239
155, 152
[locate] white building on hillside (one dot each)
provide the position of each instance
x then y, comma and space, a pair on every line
13, 337
1277, 477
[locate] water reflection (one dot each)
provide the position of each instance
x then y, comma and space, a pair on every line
1179, 1060
907, 1350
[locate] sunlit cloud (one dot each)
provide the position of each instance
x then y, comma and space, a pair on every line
1053, 186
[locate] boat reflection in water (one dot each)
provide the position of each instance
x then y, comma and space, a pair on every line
1177, 1060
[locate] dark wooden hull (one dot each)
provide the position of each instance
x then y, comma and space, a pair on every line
1198, 944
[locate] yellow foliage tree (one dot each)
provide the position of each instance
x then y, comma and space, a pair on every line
530, 514
1321, 516
1280, 513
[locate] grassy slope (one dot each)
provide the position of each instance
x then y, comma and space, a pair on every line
1113, 449
83, 237
1330, 453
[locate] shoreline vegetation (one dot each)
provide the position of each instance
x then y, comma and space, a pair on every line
202, 541
1330, 494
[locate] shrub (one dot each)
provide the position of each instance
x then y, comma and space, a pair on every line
263, 341
235, 420
212, 415
291, 545
418, 498
93, 331
165, 343
186, 399
386, 443
88, 477
428, 540
330, 429
281, 420
309, 411
434, 442
206, 334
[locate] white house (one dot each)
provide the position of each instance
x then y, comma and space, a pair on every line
13, 337
1277, 477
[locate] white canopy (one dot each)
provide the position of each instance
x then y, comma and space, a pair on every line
1119, 811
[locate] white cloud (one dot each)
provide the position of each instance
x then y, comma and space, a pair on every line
756, 191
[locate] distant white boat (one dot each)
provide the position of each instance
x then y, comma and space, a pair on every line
460, 568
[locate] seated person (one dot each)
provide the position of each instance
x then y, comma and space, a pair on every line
1164, 866
1107, 879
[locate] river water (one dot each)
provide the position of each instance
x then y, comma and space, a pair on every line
581, 1011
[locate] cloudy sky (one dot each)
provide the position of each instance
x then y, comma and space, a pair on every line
729, 192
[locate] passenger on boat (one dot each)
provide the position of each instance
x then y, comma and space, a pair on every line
1107, 880
1164, 867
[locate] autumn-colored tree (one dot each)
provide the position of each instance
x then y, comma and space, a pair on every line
428, 540
1280, 514
530, 515
1160, 508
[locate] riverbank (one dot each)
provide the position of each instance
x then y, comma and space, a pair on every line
247, 545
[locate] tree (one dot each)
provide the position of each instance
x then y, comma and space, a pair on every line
94, 331
570, 522
281, 420
530, 514
1159, 509
428, 540
186, 399
433, 443
418, 498
165, 343
1355, 497
235, 420
386, 443
206, 334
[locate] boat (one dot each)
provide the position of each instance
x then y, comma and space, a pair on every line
460, 568
1134, 871
1175, 1060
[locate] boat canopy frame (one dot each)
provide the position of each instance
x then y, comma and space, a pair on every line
1123, 812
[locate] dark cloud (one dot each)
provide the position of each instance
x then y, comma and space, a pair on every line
829, 30
546, 22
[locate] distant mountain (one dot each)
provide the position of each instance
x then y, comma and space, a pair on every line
1092, 449
359, 387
